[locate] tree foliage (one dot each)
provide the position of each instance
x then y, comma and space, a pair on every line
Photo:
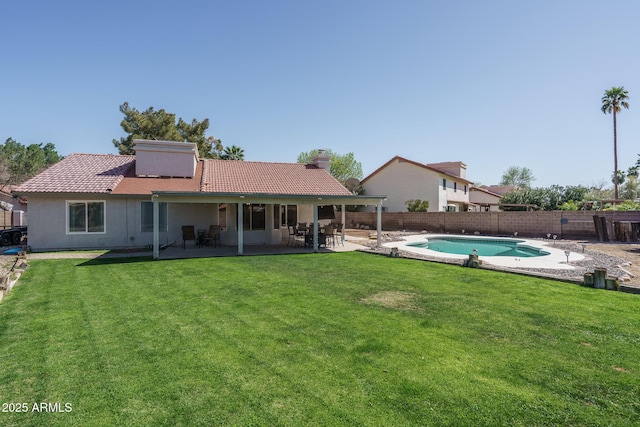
417, 205
343, 166
548, 199
520, 177
612, 102
161, 125
629, 181
18, 162
232, 153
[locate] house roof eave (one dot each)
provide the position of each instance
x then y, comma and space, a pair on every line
421, 165
269, 198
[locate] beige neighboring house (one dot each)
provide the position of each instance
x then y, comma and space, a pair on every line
486, 198
443, 185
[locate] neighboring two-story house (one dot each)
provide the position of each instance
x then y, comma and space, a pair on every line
443, 185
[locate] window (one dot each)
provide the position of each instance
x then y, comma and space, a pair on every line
289, 214
465, 189
444, 183
85, 217
253, 217
146, 217
455, 187
258, 220
276, 217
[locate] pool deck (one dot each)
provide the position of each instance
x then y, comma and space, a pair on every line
556, 260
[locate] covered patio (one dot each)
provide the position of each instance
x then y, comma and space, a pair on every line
266, 240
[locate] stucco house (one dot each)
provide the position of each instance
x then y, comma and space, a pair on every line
484, 200
118, 201
443, 185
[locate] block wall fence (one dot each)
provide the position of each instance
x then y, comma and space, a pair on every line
564, 224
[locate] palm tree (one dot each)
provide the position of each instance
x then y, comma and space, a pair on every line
233, 153
612, 101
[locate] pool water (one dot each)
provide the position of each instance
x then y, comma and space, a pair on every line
485, 247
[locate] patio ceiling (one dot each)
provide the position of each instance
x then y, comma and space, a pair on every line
276, 199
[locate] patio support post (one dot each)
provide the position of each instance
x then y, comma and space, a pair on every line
315, 227
156, 227
344, 219
240, 229
379, 225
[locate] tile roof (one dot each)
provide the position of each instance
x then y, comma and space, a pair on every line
485, 190
235, 176
115, 174
80, 173
499, 189
131, 184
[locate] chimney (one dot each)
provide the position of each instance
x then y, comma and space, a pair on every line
165, 158
322, 160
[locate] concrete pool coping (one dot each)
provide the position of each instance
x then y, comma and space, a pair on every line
556, 260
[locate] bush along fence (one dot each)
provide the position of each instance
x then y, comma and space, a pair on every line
9, 276
544, 224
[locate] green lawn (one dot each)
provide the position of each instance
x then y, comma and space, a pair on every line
313, 339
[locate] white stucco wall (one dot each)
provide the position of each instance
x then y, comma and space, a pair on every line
481, 197
271, 234
401, 181
48, 228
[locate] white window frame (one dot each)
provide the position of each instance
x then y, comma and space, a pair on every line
86, 211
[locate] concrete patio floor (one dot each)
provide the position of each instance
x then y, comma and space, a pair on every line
193, 251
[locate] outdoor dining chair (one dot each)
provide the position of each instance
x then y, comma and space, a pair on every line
329, 235
188, 233
293, 236
213, 237
338, 234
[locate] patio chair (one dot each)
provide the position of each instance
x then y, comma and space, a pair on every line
329, 235
293, 233
188, 233
213, 238
338, 234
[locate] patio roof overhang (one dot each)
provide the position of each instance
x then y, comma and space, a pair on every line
284, 199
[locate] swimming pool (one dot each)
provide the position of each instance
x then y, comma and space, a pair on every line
539, 253
483, 246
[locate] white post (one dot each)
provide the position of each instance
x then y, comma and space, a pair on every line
344, 220
379, 225
156, 227
240, 229
315, 228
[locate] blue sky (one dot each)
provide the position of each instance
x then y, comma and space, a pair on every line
492, 83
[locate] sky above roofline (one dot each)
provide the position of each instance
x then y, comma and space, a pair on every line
493, 84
